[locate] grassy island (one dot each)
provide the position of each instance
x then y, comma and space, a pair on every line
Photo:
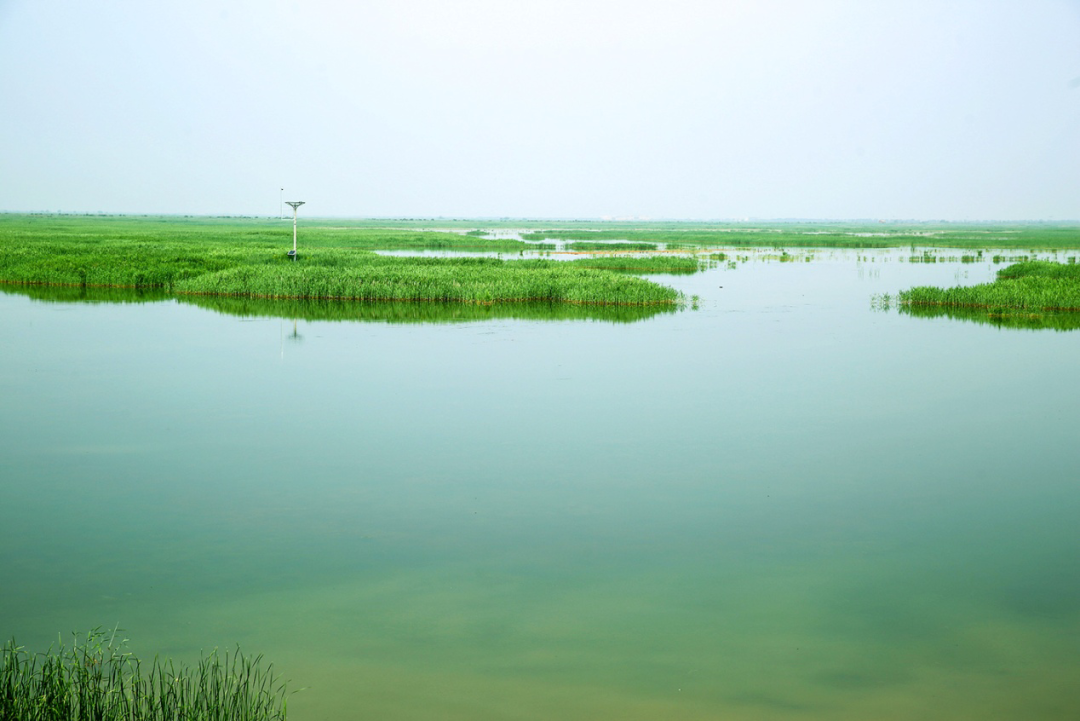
1035, 285
373, 277
1034, 294
246, 258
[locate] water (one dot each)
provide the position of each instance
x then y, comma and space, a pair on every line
783, 503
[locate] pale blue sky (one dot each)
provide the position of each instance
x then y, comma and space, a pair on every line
766, 109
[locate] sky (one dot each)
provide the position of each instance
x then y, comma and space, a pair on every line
830, 109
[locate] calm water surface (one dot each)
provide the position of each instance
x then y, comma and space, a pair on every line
783, 504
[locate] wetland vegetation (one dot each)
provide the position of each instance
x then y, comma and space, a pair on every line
1030, 286
480, 512
1031, 294
242, 258
96, 679
613, 245
642, 264
246, 259
823, 235
373, 277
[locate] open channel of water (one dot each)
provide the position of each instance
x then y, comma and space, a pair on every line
783, 504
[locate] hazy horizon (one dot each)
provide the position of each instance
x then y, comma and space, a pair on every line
548, 110
555, 219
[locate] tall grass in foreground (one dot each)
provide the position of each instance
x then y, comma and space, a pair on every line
96, 680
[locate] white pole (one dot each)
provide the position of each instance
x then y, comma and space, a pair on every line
295, 206
281, 202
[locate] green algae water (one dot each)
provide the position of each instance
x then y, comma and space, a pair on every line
781, 504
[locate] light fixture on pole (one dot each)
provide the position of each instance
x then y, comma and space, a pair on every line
295, 204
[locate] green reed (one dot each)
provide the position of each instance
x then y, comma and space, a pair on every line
247, 263
194, 233
1034, 285
95, 679
468, 280
1041, 269
822, 234
591, 246
642, 264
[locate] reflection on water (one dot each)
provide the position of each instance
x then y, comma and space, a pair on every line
85, 294
419, 312
1000, 318
341, 310
782, 505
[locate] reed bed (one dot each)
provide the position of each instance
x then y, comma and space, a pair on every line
823, 235
1041, 269
1033, 285
119, 263
248, 264
712, 238
467, 280
95, 679
646, 264
17, 230
592, 247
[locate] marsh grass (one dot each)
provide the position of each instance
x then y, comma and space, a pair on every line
96, 679
1031, 294
198, 234
416, 233
1032, 286
247, 264
823, 235
642, 264
465, 280
711, 238
586, 246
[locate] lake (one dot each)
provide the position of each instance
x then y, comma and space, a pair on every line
783, 503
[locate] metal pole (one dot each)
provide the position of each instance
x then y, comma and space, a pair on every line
281, 201
295, 206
